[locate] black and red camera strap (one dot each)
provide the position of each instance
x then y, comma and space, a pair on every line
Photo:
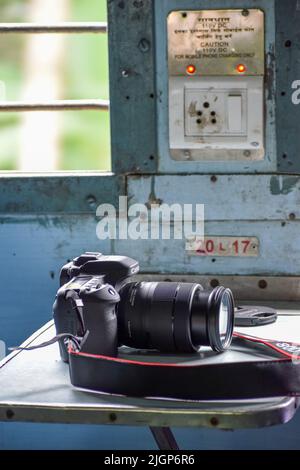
195, 380
277, 376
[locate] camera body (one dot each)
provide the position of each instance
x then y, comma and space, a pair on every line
100, 304
115, 269
87, 299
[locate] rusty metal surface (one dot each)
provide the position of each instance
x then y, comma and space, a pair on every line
46, 28
133, 93
59, 105
287, 94
58, 193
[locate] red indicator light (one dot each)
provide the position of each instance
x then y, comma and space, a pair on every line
241, 68
191, 69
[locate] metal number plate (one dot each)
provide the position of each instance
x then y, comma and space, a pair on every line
225, 246
216, 41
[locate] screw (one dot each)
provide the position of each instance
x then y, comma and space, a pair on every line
292, 216
213, 179
125, 73
214, 421
247, 153
10, 414
214, 283
262, 284
144, 45
245, 12
184, 14
112, 417
91, 200
199, 121
288, 43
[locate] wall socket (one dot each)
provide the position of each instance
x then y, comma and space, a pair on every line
217, 118
216, 66
215, 113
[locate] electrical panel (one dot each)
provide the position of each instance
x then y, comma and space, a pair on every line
216, 66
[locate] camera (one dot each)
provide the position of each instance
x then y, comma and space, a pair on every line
98, 300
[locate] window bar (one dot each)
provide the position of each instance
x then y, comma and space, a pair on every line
59, 105
36, 28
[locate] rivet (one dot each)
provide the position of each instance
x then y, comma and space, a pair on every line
10, 414
112, 417
214, 421
214, 283
91, 200
262, 284
144, 45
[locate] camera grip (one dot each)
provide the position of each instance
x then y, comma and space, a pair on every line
99, 314
66, 320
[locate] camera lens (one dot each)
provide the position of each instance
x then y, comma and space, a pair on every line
175, 317
212, 318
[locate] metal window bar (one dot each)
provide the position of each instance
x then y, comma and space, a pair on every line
36, 28
59, 105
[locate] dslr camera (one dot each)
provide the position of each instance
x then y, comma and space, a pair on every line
98, 300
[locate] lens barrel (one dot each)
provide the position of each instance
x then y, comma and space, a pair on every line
175, 317
212, 318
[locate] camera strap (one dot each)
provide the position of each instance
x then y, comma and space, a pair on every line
194, 380
76, 340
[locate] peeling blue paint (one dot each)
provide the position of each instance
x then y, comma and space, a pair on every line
284, 184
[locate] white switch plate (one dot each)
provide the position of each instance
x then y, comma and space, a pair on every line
191, 139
